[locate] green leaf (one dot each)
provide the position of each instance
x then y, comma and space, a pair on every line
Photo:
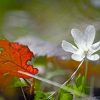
16, 82
38, 85
39, 95
80, 80
66, 96
63, 95
80, 84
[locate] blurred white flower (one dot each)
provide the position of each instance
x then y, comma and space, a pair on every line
84, 42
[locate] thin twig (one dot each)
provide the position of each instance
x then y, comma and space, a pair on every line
23, 94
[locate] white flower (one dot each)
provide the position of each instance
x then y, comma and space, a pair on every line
84, 42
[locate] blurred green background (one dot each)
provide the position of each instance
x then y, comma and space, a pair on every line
50, 20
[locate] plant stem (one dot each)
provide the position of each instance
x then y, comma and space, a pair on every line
23, 94
92, 85
53, 83
86, 69
86, 72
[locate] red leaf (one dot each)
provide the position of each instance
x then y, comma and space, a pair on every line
14, 58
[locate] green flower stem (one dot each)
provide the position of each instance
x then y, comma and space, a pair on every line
85, 76
86, 69
92, 85
54, 84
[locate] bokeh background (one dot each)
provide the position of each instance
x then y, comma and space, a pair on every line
50, 20
43, 24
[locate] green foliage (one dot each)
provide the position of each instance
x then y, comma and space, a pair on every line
39, 95
38, 85
80, 84
65, 95
16, 82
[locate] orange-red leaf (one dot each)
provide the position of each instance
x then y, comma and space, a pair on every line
14, 58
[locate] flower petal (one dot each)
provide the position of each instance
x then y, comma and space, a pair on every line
89, 35
77, 57
78, 38
95, 47
68, 47
93, 57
